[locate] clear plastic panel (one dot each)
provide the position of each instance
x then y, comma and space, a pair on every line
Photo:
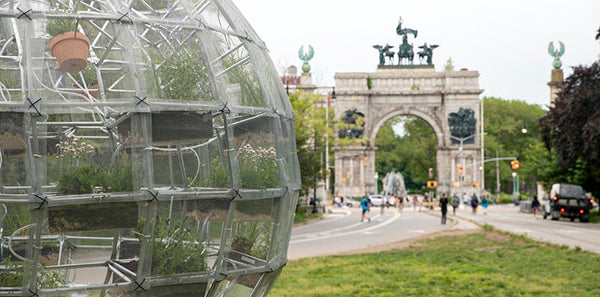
83, 157
238, 286
183, 146
13, 177
181, 71
256, 153
266, 283
93, 236
252, 231
10, 72
184, 235
243, 84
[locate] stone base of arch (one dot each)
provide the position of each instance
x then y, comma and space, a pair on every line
354, 171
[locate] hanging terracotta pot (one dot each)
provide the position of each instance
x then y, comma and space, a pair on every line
71, 50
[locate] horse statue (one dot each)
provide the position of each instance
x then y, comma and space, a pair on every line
405, 50
384, 51
427, 52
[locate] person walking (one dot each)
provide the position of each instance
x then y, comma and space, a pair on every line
474, 203
455, 202
415, 201
535, 207
365, 204
484, 204
400, 203
444, 207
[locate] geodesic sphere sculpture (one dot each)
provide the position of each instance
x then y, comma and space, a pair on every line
147, 148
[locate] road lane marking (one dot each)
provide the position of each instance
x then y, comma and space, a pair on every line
377, 226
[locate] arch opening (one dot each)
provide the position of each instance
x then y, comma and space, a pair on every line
405, 144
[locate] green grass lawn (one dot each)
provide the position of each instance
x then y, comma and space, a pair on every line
487, 263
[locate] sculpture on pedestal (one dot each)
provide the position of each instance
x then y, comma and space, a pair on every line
556, 54
406, 51
384, 51
306, 56
462, 125
427, 52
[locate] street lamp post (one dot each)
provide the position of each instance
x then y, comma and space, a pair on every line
515, 181
376, 176
315, 178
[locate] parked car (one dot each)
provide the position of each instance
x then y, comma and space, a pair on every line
567, 201
376, 199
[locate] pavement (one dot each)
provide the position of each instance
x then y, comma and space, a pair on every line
506, 217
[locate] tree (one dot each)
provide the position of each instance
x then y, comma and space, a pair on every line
311, 133
503, 122
572, 126
449, 66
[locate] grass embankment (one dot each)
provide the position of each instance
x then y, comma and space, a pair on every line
303, 216
486, 263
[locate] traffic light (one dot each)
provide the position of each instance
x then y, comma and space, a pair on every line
460, 169
475, 185
515, 165
432, 184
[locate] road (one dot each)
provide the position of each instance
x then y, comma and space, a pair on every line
343, 232
563, 232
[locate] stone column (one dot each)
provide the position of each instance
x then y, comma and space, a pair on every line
555, 84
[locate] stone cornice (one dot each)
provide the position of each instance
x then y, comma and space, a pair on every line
392, 92
407, 74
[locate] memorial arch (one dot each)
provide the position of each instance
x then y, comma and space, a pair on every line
448, 101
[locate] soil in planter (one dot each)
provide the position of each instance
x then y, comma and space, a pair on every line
191, 290
92, 217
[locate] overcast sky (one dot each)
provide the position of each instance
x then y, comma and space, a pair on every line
505, 40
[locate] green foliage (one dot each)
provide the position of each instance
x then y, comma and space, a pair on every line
312, 130
174, 248
481, 264
52, 279
184, 77
302, 215
59, 26
449, 66
369, 82
252, 238
11, 275
83, 180
87, 76
258, 168
246, 78
80, 181
218, 177
411, 154
18, 215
